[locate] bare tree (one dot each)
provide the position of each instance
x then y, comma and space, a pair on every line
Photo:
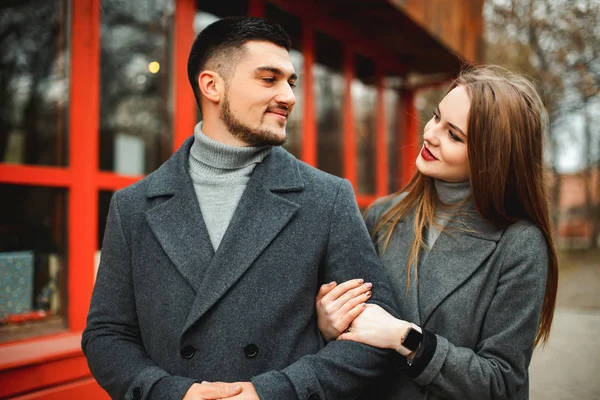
556, 42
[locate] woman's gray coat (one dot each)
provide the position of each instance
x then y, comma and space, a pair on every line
481, 293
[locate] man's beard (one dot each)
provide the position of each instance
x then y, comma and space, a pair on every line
250, 136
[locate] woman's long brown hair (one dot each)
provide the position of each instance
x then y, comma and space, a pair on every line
504, 140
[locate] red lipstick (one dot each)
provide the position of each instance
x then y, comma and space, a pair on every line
427, 155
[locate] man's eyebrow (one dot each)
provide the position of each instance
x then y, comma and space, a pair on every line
451, 125
276, 71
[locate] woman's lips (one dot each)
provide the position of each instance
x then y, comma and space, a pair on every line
427, 155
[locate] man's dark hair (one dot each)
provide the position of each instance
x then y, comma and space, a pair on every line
219, 46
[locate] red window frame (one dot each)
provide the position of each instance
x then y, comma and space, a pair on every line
52, 366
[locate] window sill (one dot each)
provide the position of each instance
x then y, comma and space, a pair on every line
39, 350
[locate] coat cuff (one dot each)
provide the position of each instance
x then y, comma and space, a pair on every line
435, 364
171, 387
295, 382
424, 355
273, 385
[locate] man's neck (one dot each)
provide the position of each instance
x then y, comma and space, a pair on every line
216, 130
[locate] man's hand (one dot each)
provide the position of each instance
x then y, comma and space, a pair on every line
248, 392
213, 391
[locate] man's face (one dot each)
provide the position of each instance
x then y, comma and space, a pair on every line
259, 97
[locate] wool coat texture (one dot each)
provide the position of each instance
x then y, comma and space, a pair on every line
167, 310
480, 290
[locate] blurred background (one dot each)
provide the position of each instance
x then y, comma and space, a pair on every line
94, 96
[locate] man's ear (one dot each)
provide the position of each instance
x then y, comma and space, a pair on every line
211, 85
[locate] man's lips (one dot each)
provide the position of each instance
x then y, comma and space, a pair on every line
279, 111
427, 155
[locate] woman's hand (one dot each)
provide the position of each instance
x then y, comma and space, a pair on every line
338, 305
376, 327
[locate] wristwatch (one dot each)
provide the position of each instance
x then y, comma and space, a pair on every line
412, 338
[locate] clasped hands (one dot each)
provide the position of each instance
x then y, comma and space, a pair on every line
221, 390
343, 314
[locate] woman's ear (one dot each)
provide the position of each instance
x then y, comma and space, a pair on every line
211, 85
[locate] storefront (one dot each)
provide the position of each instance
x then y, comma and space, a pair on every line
94, 95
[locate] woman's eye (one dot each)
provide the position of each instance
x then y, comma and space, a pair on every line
268, 80
436, 117
454, 137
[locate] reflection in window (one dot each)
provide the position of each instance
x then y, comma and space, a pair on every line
329, 86
135, 68
32, 261
391, 98
364, 105
293, 26
34, 82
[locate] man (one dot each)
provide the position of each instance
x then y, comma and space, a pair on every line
210, 265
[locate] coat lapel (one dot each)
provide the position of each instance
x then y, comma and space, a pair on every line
455, 256
259, 217
177, 222
395, 259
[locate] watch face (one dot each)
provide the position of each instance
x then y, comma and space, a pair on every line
412, 340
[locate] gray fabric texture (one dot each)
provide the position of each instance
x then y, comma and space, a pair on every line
220, 173
161, 287
449, 193
481, 292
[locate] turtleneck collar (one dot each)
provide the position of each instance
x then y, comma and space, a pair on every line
217, 155
452, 192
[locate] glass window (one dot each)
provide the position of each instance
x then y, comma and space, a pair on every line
329, 86
32, 261
293, 26
34, 83
103, 204
364, 105
135, 85
391, 98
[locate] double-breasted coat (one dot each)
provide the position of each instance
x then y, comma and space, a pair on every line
167, 310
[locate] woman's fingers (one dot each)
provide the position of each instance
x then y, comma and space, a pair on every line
348, 317
354, 296
328, 287
341, 289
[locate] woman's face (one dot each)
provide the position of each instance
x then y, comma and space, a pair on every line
444, 153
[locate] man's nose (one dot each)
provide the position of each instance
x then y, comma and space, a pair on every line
286, 96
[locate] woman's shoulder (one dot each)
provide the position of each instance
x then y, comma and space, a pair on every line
383, 204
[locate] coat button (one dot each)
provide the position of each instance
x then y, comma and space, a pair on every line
188, 352
251, 350
313, 396
136, 393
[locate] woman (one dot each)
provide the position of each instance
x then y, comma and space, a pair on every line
468, 248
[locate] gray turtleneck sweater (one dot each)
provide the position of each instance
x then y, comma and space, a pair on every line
220, 174
448, 193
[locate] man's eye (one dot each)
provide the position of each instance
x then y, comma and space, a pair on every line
268, 80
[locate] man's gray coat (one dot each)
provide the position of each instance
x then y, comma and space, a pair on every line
167, 310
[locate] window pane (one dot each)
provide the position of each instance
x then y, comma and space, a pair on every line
293, 26
32, 261
329, 85
392, 103
34, 84
364, 104
135, 85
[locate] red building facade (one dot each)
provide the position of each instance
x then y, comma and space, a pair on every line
94, 95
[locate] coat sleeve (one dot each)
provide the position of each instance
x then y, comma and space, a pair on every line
111, 340
497, 368
342, 369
